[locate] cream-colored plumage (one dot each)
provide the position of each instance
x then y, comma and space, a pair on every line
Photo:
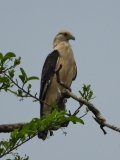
50, 89
68, 71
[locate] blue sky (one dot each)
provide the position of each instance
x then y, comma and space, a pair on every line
28, 28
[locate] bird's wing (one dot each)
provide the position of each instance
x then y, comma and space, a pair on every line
75, 75
47, 73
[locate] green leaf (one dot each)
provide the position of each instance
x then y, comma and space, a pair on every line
29, 86
4, 80
75, 119
11, 73
15, 93
14, 133
32, 78
1, 55
10, 54
4, 144
62, 113
88, 87
17, 61
90, 95
87, 110
4, 59
17, 157
54, 112
54, 105
23, 74
7, 56
81, 93
22, 78
26, 127
2, 68
2, 151
19, 92
0, 79
84, 88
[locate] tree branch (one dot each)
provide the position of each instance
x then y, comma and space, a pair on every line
6, 128
66, 93
99, 118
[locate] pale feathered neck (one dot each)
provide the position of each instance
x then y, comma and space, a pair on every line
58, 41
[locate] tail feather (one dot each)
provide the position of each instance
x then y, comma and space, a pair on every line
43, 135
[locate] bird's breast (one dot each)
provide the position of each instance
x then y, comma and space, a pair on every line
66, 58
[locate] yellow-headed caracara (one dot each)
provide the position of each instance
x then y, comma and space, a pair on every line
50, 89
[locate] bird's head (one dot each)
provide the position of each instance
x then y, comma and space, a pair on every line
64, 36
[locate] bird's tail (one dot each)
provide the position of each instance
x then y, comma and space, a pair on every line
43, 135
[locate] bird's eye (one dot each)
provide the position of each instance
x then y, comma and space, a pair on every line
65, 34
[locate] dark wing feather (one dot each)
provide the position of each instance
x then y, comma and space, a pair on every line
75, 74
47, 73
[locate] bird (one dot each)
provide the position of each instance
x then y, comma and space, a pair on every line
50, 90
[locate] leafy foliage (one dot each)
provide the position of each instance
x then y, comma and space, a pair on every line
30, 130
86, 94
18, 157
24, 77
50, 122
7, 74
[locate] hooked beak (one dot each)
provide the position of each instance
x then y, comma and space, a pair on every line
72, 38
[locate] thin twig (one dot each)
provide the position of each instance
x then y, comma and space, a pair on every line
17, 146
8, 68
77, 111
83, 115
16, 83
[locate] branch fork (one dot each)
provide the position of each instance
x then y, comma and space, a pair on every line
65, 92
